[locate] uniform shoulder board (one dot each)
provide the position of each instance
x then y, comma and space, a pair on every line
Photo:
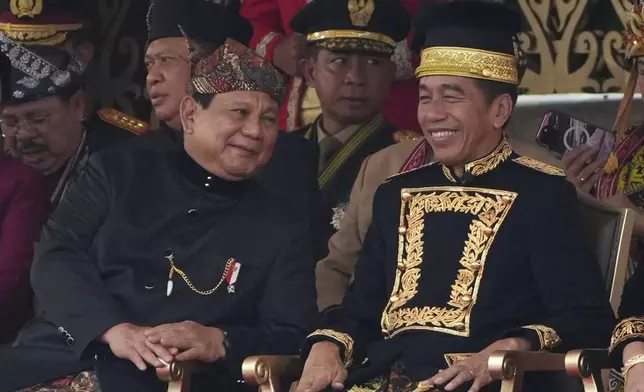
539, 166
411, 171
124, 121
402, 135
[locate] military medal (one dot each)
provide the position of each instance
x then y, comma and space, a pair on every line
231, 276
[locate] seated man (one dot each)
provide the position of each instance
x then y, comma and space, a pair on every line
165, 256
349, 64
478, 252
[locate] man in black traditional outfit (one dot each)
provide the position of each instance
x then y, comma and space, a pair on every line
178, 255
349, 65
479, 251
290, 174
65, 25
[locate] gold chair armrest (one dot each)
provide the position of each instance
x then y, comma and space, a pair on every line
267, 371
510, 366
588, 365
177, 375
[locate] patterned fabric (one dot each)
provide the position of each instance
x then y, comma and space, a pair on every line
81, 382
396, 381
628, 179
233, 67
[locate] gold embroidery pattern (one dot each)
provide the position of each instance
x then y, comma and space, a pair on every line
486, 164
539, 166
454, 358
489, 207
470, 63
632, 327
345, 339
371, 386
448, 174
26, 8
548, 337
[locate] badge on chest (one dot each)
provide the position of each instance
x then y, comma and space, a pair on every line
229, 275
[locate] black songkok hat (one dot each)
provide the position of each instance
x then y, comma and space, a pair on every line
34, 72
204, 20
353, 25
44, 22
470, 38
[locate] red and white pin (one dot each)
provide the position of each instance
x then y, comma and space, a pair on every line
232, 275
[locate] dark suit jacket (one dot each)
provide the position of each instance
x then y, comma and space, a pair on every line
101, 262
334, 194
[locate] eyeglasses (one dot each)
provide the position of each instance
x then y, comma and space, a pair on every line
11, 126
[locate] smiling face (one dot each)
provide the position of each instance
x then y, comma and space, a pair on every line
234, 136
351, 86
458, 120
166, 61
47, 131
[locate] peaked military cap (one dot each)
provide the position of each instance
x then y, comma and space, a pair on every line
369, 25
470, 38
36, 72
44, 22
209, 21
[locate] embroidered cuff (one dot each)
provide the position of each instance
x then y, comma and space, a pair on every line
343, 339
629, 328
267, 44
548, 337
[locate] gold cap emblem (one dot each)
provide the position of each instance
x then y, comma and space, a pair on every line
26, 8
360, 11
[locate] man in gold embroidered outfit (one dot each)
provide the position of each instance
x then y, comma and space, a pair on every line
480, 251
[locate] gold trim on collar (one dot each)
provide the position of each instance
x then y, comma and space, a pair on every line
48, 35
489, 207
354, 34
469, 63
486, 164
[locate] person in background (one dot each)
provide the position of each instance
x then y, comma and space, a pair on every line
291, 172
620, 183
453, 266
23, 210
67, 25
348, 63
276, 41
221, 271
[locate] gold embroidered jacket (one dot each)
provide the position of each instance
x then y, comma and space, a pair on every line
452, 266
631, 317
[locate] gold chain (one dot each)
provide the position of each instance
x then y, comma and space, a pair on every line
174, 269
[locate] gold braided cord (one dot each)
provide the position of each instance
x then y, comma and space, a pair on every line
468, 62
354, 34
183, 275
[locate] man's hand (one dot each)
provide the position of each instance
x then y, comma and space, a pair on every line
474, 369
583, 167
323, 367
193, 341
288, 53
127, 341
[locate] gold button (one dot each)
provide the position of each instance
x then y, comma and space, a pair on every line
393, 298
506, 200
401, 266
488, 231
459, 326
466, 298
487, 72
475, 266
406, 196
402, 230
